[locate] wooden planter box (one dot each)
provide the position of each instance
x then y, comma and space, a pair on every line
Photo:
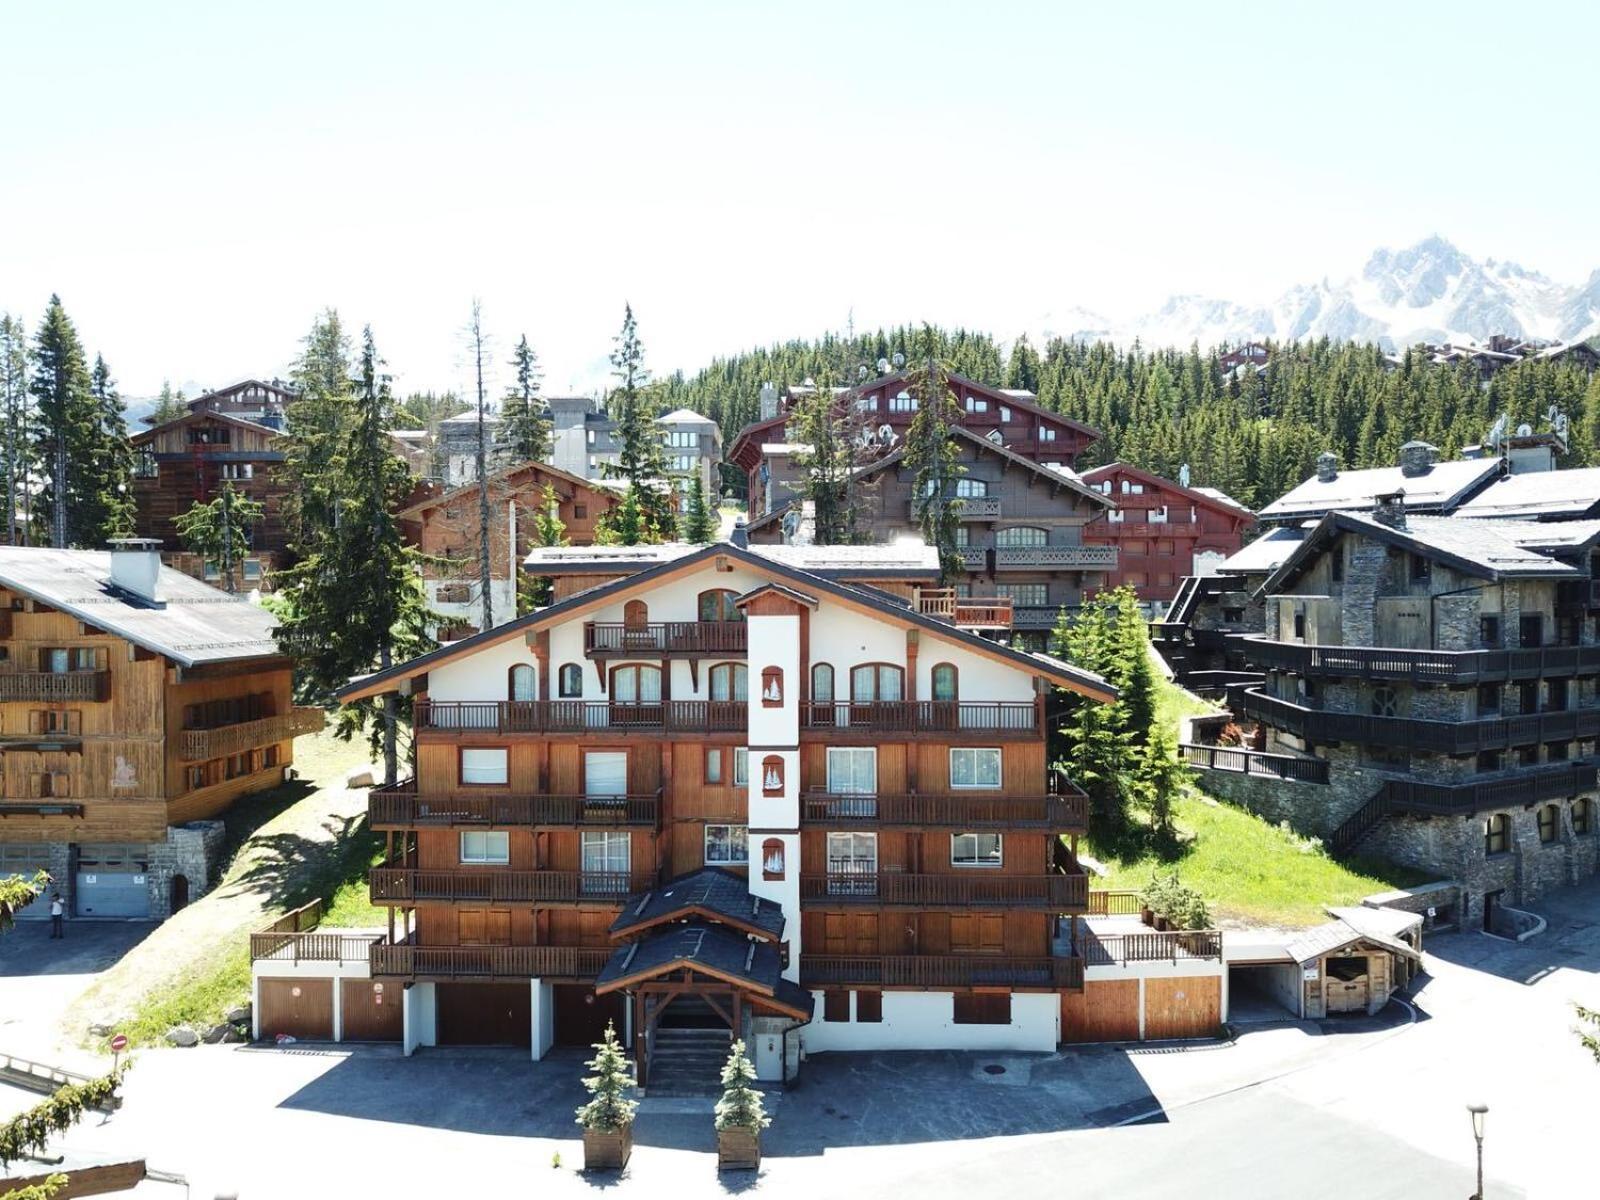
607, 1150
738, 1150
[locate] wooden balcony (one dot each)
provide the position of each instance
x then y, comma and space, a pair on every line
400, 807
581, 716
407, 885
975, 888
1529, 785
1067, 813
981, 612
972, 508
1419, 666
55, 687
40, 808
1442, 737
994, 719
1116, 903
336, 945
1255, 762
198, 745
1148, 529
664, 639
407, 960
1037, 616
1055, 558
940, 971
1118, 949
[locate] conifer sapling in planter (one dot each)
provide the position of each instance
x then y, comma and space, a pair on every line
607, 1117
740, 1116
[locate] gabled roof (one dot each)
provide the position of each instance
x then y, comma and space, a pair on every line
204, 414
1539, 495
223, 393
1209, 497
1263, 554
711, 894
681, 415
693, 557
753, 967
1337, 934
1438, 490
500, 476
193, 623
1484, 549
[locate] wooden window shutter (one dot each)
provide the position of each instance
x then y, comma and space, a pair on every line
470, 926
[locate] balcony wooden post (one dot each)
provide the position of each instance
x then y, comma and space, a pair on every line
911, 664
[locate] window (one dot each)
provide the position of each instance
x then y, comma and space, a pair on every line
729, 681
58, 661
252, 569
727, 845
1530, 631
971, 489
835, 1006
196, 776
606, 853
1489, 632
520, 682
1336, 564
852, 864
144, 465
1158, 516
1036, 595
683, 464
852, 770
570, 681
1383, 702
974, 768
1300, 626
580, 512
1558, 751
1497, 834
636, 685
822, 683
975, 405
1020, 536
876, 681
1489, 760
1488, 698
1005, 414
719, 606
213, 570
1046, 434
944, 681
714, 765
995, 436
902, 402
483, 766
56, 720
975, 850
605, 773
1528, 696
963, 537
869, 1007
485, 847
1555, 694
1549, 823
238, 470
1421, 569
741, 767
1582, 817
983, 1008
1233, 615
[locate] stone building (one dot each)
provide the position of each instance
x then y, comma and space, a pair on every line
584, 443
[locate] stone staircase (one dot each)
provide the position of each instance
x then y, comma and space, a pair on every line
688, 1062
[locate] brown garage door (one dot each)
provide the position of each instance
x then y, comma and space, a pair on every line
1182, 1008
484, 1014
302, 1008
581, 1016
371, 1011
1107, 1010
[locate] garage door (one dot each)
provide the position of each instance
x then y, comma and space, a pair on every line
485, 1014
111, 882
27, 859
372, 1011
581, 1016
301, 1008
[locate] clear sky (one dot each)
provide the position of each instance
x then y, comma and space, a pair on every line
196, 180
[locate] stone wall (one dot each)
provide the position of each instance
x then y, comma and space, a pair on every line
1438, 904
190, 850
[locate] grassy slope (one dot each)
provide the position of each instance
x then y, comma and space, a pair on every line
1248, 869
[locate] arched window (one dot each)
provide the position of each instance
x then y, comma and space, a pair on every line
633, 684
570, 681
1549, 823
635, 613
520, 682
1019, 536
876, 681
971, 489
1582, 817
729, 682
1497, 834
822, 683
944, 681
718, 605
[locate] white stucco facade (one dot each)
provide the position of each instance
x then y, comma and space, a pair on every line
926, 1021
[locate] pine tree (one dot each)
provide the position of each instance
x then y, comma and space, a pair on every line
1131, 669
478, 348
536, 591
935, 458
220, 531
16, 412
109, 476
641, 459
741, 1104
524, 419
699, 526
1160, 779
1023, 369
827, 464
609, 1107
317, 430
170, 405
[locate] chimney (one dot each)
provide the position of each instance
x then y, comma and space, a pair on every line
1390, 509
805, 530
769, 401
136, 567
1417, 458
739, 537
1327, 467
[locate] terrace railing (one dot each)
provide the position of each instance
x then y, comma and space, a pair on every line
581, 716
685, 638
1255, 762
922, 716
978, 888
402, 808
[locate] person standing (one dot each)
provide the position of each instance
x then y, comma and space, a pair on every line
58, 911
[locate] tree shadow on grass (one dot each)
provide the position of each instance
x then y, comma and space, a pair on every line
291, 869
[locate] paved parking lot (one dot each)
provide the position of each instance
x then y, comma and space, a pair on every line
41, 976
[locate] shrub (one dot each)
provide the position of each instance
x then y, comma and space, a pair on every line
609, 1108
740, 1106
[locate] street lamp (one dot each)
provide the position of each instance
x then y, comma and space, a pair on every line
1480, 1113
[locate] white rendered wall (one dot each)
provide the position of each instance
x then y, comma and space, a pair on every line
502, 594
926, 1021
774, 641
484, 675
420, 1020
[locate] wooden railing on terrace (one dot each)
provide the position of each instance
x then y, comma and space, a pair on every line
1420, 666
977, 888
400, 807
1067, 813
985, 612
55, 686
665, 637
1254, 762
1107, 949
488, 962
407, 885
581, 716
1114, 903
922, 716
294, 937
939, 970
200, 744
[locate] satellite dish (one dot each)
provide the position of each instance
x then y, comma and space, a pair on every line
883, 366
886, 434
899, 359
1183, 475
861, 371
1524, 430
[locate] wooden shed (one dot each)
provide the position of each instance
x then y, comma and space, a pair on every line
1355, 962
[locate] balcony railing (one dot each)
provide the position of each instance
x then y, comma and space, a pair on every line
977, 888
1091, 558
1148, 529
201, 744
972, 508
665, 638
401, 808
1527, 786
488, 962
838, 810
407, 885
939, 971
1114, 949
581, 716
1443, 737
1117, 903
1255, 762
1420, 666
55, 686
999, 717
341, 946
40, 808
986, 612
1037, 616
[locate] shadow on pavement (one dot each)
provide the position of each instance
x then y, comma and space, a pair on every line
88, 947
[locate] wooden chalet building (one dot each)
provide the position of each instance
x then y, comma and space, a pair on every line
1162, 531
136, 705
720, 790
445, 525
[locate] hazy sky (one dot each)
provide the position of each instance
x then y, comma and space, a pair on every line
197, 180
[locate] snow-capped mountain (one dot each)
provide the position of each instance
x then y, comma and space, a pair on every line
1429, 292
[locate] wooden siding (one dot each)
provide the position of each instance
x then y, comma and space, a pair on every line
308, 1016
1107, 1010
1183, 1007
369, 1015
